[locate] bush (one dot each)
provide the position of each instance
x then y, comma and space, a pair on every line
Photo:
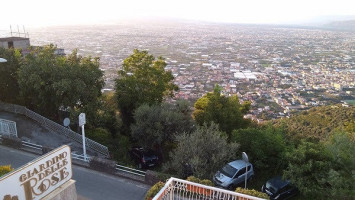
154, 190
120, 149
153, 177
200, 181
11, 141
5, 169
99, 135
204, 152
252, 193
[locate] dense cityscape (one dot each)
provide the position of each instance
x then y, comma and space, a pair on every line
279, 69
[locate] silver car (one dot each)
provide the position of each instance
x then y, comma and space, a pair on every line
233, 174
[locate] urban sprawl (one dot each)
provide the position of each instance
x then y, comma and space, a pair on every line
280, 70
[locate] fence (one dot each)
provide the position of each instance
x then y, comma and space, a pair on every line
95, 146
181, 189
8, 127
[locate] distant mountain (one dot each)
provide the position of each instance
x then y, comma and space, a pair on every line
348, 25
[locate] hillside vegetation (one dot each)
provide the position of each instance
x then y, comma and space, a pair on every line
318, 123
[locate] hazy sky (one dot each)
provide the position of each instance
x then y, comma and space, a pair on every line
61, 12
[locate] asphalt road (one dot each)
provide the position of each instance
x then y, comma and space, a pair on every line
90, 184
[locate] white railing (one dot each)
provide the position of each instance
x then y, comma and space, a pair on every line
178, 189
8, 127
57, 128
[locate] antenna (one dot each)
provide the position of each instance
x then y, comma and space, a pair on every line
18, 30
11, 30
24, 32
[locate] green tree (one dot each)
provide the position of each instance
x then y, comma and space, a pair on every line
142, 80
308, 169
205, 150
341, 176
49, 82
159, 124
9, 89
223, 110
265, 147
107, 115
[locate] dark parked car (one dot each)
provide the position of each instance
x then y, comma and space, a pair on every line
277, 188
144, 158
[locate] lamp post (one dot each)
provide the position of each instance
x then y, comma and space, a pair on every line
82, 122
246, 159
2, 60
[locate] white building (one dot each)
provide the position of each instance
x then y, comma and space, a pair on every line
15, 42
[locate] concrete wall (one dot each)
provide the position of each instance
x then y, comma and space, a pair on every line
20, 44
67, 191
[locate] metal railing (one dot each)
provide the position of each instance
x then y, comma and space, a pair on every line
53, 126
81, 157
31, 145
130, 170
181, 189
8, 127
119, 168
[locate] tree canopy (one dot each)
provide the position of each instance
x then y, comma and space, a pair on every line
49, 82
142, 80
265, 147
159, 124
205, 150
9, 89
226, 111
318, 123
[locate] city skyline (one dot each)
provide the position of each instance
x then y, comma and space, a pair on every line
39, 13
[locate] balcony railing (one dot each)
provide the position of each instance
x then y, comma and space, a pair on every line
177, 189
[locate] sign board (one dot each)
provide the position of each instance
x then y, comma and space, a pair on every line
38, 178
82, 119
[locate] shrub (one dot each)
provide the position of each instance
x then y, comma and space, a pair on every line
153, 177
154, 190
200, 181
11, 141
5, 169
252, 193
99, 135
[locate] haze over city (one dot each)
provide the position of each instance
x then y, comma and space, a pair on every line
39, 13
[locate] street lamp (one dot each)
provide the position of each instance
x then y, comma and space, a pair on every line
2, 60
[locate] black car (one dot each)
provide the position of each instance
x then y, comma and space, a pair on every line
144, 158
277, 188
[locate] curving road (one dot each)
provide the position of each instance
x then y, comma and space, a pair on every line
90, 184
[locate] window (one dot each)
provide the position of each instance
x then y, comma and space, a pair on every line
240, 172
10, 44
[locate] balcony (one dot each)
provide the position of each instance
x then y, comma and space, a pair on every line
177, 189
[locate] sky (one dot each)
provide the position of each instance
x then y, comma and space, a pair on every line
38, 13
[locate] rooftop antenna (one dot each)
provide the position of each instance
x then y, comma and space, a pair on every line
11, 30
18, 30
24, 32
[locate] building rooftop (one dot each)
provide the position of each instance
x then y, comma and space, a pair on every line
7, 39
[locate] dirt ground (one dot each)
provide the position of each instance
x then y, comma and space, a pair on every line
31, 131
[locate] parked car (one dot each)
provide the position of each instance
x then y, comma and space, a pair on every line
277, 188
233, 174
143, 158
